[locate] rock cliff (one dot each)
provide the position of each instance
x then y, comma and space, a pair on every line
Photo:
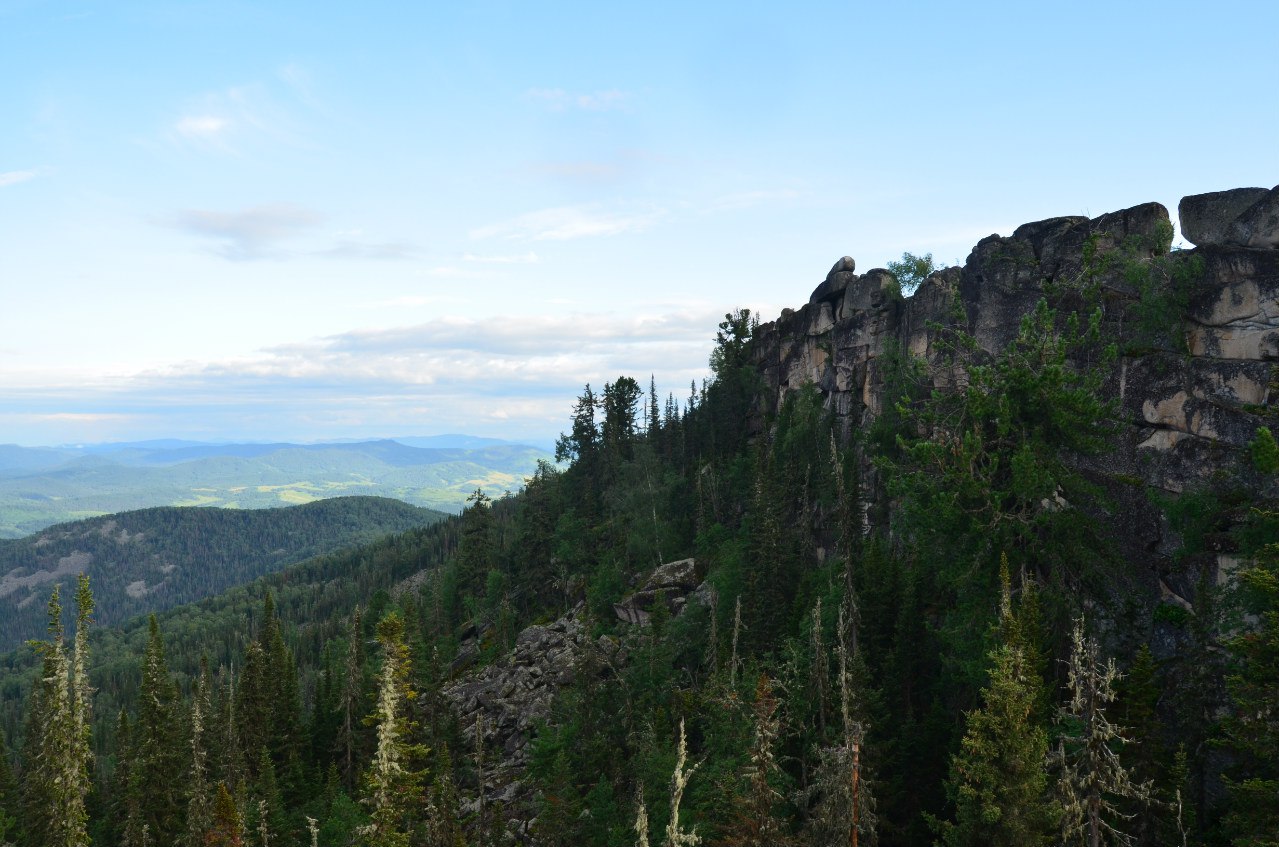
1192, 391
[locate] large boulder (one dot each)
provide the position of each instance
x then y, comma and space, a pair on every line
1207, 218
841, 274
1258, 226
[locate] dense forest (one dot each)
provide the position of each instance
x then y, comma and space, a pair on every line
918, 633
153, 559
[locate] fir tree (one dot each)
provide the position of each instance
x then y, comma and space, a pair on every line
1092, 777
393, 785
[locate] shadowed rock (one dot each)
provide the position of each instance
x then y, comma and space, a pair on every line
1258, 226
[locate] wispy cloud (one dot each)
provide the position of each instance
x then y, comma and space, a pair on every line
8, 178
253, 233
564, 223
235, 118
529, 258
559, 100
203, 127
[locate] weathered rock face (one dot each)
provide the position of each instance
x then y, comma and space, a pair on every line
1191, 409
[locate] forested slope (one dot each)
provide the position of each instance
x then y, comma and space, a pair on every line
153, 559
901, 631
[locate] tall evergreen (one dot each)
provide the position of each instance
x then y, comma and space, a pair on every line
393, 790
160, 761
998, 780
1253, 725
10, 802
57, 756
199, 816
1092, 778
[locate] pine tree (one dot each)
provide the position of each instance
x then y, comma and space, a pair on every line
393, 784
1092, 777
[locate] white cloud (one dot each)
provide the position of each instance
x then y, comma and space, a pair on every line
558, 100
509, 375
14, 177
253, 233
564, 223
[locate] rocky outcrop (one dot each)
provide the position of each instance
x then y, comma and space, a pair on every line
507, 700
1206, 218
1192, 392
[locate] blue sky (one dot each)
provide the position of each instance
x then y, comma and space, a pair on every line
319, 220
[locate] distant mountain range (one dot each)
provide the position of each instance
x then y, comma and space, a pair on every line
42, 486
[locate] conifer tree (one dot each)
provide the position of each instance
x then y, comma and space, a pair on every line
57, 754
159, 760
199, 800
350, 705
393, 784
9, 802
1092, 777
755, 822
998, 781
1253, 725
845, 812
676, 836
227, 827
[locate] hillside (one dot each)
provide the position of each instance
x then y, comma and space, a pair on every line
153, 559
43, 486
995, 562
